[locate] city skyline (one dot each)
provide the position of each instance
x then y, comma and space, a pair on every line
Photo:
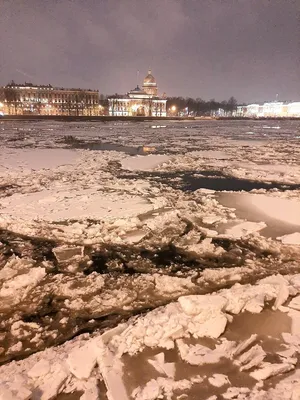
248, 50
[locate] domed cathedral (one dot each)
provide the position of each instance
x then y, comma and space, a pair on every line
140, 102
150, 85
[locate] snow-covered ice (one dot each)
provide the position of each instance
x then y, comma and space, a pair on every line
285, 210
74, 364
244, 229
22, 160
144, 163
159, 272
292, 238
64, 205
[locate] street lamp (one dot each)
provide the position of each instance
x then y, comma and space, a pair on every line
173, 110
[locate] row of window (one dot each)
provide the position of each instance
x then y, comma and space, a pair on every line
125, 114
127, 108
27, 106
49, 96
28, 99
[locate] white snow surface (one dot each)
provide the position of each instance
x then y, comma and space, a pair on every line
210, 154
64, 205
244, 229
292, 238
144, 163
73, 364
40, 186
285, 210
22, 160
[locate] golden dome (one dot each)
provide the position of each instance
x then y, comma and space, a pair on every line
149, 78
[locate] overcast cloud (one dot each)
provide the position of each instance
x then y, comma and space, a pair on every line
249, 49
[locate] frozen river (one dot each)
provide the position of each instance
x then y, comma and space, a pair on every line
168, 238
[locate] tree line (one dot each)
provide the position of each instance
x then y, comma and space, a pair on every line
196, 106
201, 107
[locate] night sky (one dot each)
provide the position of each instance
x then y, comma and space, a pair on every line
249, 49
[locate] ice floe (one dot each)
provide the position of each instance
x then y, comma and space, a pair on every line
83, 200
144, 163
73, 366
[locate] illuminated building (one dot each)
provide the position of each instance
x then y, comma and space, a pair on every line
294, 109
274, 109
140, 102
21, 99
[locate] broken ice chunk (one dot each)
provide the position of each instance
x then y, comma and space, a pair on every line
55, 379
252, 358
243, 346
82, 361
160, 388
244, 229
218, 380
269, 370
282, 296
14, 391
234, 392
165, 368
199, 355
91, 391
295, 303
292, 238
255, 305
41, 368
68, 253
195, 304
295, 317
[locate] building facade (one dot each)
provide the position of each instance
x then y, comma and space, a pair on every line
140, 102
274, 109
22, 99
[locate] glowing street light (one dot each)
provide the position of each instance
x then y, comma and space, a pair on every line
173, 108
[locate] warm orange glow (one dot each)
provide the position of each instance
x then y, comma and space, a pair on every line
135, 107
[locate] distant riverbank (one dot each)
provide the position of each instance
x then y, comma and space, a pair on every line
107, 118
104, 118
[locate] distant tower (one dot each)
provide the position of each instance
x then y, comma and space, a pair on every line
150, 85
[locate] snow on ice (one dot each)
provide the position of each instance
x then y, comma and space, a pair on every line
22, 160
144, 163
72, 365
91, 239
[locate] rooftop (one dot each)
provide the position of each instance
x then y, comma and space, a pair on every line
29, 85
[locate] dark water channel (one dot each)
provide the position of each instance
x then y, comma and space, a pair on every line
216, 180
122, 267
213, 180
131, 150
101, 146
